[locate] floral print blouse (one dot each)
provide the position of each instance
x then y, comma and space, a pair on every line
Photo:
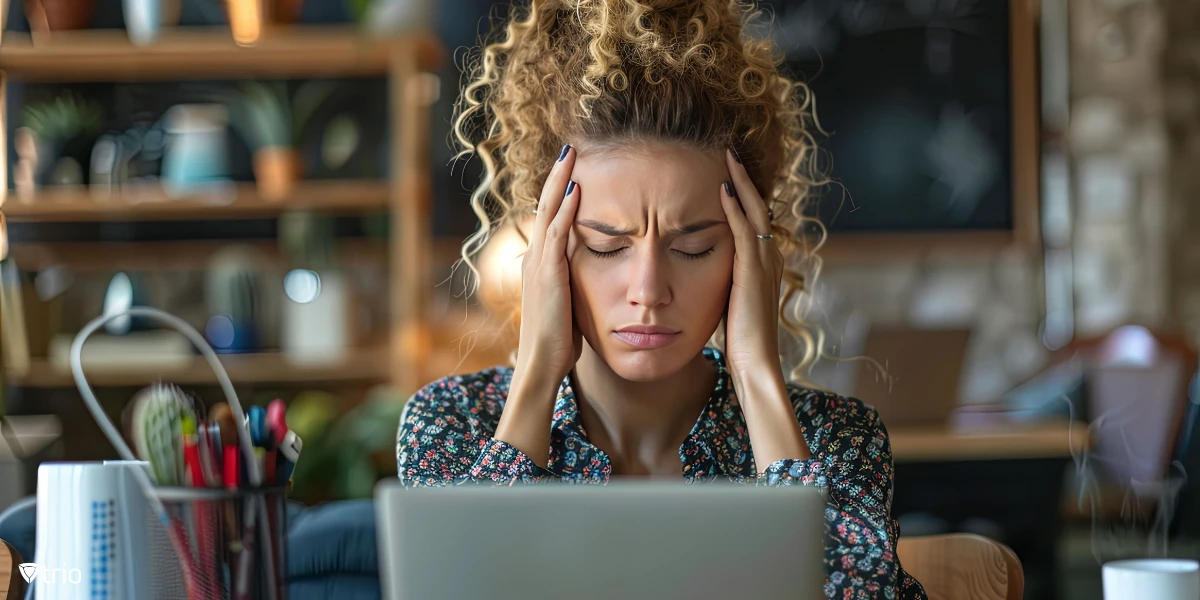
446, 430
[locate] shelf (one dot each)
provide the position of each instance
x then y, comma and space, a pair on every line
365, 365
172, 255
150, 203
207, 53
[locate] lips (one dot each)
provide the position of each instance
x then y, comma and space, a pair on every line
646, 337
646, 329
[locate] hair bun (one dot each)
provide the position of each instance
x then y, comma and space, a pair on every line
663, 4
650, 4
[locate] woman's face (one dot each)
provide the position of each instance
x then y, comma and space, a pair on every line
655, 214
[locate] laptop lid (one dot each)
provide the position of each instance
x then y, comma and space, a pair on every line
624, 540
924, 369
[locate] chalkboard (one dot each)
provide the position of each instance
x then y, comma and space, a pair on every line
915, 96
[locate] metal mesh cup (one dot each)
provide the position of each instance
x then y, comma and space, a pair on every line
225, 545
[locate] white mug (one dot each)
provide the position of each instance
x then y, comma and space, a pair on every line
1157, 578
91, 532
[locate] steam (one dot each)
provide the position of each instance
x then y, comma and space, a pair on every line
1139, 522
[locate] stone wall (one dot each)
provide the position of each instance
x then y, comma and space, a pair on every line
1124, 222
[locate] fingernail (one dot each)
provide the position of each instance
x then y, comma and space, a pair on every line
563, 154
734, 152
729, 191
570, 188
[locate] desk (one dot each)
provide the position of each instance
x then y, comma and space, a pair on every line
1039, 440
1009, 475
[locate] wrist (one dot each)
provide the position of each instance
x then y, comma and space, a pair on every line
759, 381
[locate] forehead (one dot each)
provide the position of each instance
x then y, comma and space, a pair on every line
627, 186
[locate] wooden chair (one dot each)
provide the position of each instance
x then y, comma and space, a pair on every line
12, 585
962, 566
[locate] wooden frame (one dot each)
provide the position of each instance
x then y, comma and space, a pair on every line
1026, 156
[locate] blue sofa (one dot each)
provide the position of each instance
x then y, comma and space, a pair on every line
332, 551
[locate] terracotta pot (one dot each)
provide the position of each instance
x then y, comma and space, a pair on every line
276, 170
58, 15
171, 11
285, 12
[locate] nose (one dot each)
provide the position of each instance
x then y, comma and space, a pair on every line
649, 284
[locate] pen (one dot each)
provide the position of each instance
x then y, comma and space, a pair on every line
277, 430
257, 418
216, 452
191, 452
204, 545
204, 449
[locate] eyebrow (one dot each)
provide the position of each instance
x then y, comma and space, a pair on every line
607, 229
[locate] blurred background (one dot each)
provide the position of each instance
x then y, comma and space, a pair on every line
1012, 239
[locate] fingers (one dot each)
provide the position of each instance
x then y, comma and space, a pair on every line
751, 202
552, 197
743, 232
559, 230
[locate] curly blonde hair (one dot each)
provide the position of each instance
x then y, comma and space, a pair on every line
608, 73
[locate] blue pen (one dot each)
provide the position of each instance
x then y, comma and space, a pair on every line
258, 425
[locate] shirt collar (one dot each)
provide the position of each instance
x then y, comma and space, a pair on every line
718, 443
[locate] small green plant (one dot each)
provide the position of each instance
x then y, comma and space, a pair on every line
63, 118
344, 457
267, 116
307, 239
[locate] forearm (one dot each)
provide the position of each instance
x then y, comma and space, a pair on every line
525, 422
770, 419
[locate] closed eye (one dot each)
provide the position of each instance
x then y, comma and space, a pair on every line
686, 255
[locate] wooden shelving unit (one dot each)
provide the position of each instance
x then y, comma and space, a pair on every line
362, 365
163, 256
210, 53
237, 201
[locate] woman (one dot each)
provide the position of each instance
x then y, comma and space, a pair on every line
652, 233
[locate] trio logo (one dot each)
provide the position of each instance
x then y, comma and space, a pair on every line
28, 571
58, 575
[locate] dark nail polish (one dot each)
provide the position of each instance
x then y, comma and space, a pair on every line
736, 156
570, 188
729, 190
563, 154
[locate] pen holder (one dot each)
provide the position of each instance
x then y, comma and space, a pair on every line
227, 544
226, 554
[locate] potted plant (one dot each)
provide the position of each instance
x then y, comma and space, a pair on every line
344, 457
64, 130
384, 17
272, 121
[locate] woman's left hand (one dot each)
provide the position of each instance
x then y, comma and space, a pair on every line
751, 325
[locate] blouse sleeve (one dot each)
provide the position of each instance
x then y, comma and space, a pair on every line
852, 459
438, 444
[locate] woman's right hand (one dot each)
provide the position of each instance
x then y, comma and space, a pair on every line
550, 341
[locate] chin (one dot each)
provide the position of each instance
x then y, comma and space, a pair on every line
650, 365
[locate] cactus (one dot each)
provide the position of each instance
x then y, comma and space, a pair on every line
61, 119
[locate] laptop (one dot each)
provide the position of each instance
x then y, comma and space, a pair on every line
624, 540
